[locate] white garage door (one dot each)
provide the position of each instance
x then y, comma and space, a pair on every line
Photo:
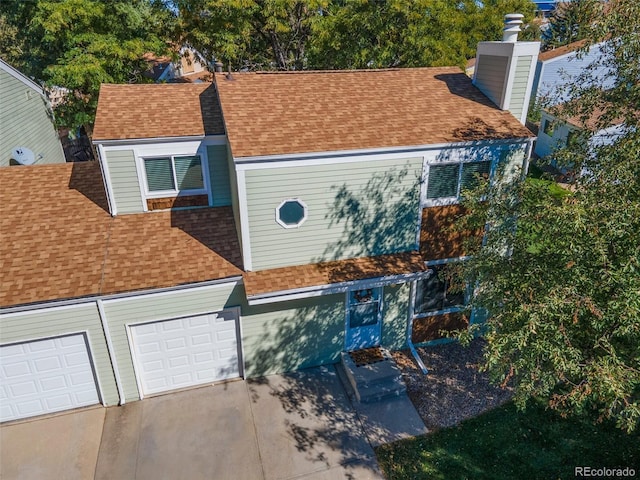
186, 351
45, 376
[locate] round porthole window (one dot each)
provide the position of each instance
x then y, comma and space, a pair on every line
291, 213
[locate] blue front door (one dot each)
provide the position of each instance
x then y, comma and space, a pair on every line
364, 318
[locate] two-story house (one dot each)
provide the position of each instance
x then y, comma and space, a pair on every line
263, 223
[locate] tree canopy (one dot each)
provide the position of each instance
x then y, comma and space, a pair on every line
571, 21
342, 34
564, 297
79, 44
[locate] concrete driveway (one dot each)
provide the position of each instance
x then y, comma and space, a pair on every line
300, 425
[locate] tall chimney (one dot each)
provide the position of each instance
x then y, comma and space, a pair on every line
504, 70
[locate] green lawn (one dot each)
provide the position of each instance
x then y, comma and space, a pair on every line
508, 444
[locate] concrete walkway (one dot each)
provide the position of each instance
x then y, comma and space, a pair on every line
300, 425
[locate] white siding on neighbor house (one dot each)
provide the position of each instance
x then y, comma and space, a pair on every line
552, 76
546, 144
157, 306
57, 321
124, 181
519, 88
490, 76
362, 208
26, 120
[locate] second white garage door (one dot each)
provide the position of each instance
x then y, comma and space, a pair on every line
184, 352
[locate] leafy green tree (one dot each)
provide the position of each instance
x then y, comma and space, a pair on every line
571, 21
563, 285
79, 44
407, 33
250, 34
341, 34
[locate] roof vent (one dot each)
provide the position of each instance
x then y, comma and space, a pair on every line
217, 67
512, 22
23, 156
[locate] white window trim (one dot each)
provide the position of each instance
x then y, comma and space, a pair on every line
175, 192
305, 210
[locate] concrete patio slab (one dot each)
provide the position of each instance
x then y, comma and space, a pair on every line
307, 428
390, 419
61, 446
199, 433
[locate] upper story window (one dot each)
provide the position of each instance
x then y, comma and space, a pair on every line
548, 127
173, 174
445, 181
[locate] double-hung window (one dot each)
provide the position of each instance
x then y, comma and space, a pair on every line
445, 181
171, 175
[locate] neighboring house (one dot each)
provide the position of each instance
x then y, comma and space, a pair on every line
558, 69
262, 223
27, 132
187, 69
557, 132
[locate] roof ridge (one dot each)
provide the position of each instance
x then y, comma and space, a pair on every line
344, 71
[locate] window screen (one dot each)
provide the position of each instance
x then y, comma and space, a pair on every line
471, 172
189, 173
159, 174
443, 181
434, 294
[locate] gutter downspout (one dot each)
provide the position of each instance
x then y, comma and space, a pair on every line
414, 352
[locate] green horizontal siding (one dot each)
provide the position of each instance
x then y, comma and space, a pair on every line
354, 209
26, 120
519, 88
219, 175
152, 307
124, 181
395, 316
288, 336
491, 75
55, 322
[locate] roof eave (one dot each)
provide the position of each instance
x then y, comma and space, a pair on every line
381, 150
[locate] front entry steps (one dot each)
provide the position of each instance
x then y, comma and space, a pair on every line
372, 374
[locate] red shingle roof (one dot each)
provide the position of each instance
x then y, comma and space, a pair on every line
157, 110
297, 112
59, 241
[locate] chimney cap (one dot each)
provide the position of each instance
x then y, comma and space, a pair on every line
218, 66
512, 22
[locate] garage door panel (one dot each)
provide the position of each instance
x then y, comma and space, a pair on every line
53, 383
46, 376
184, 352
17, 369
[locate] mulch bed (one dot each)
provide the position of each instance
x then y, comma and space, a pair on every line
367, 356
454, 389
